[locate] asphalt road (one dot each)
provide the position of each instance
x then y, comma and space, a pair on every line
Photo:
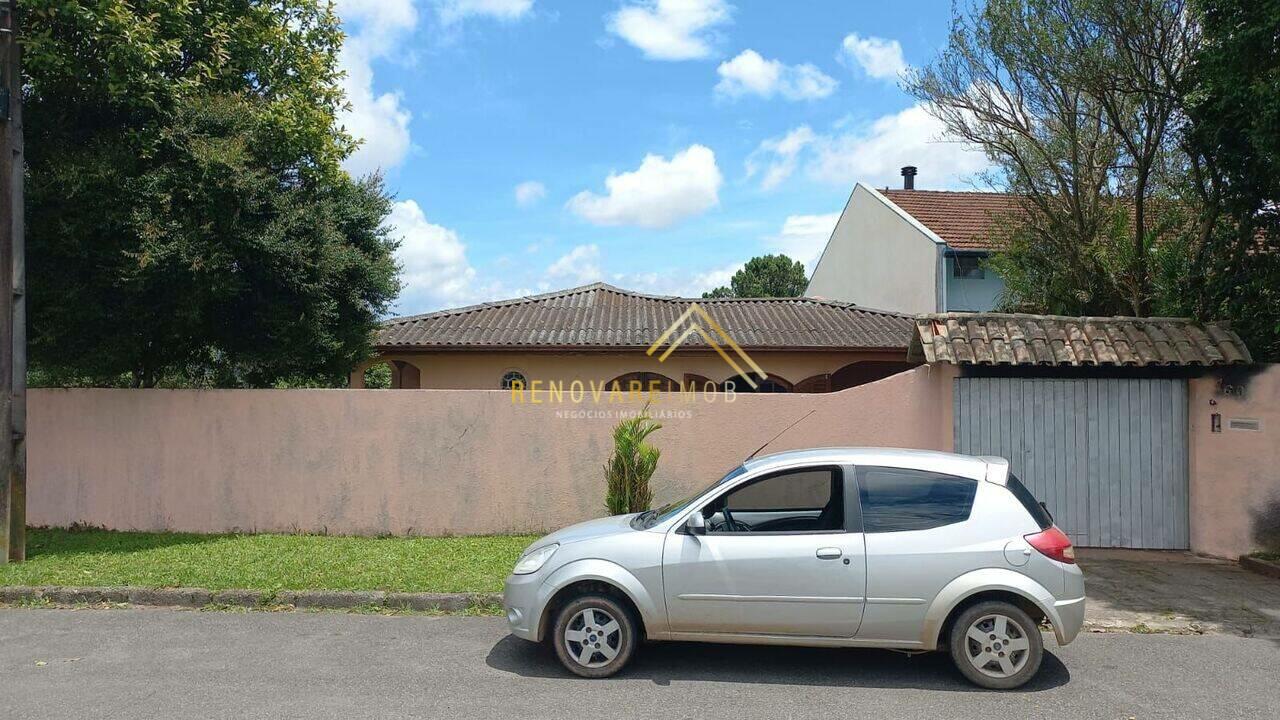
183, 664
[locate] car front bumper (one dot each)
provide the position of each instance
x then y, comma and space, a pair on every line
520, 600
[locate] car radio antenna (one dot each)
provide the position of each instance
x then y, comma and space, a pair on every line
775, 437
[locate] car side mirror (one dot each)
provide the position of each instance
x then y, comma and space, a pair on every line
696, 524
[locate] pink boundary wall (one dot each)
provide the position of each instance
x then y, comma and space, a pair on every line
411, 461
469, 461
1235, 474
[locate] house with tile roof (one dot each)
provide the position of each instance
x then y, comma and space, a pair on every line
913, 251
599, 334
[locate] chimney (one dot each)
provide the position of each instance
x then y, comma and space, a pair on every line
909, 177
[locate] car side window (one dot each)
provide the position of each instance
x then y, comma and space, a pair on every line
810, 500
898, 499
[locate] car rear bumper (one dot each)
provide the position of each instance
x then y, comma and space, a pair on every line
1070, 609
1070, 619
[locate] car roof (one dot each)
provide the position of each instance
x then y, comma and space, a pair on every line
943, 462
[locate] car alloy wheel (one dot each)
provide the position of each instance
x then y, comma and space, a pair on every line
594, 636
996, 645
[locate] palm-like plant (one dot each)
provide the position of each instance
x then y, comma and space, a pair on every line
628, 471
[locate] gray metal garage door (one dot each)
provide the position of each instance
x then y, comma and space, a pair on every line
1108, 456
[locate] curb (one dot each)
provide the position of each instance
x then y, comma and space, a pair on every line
1262, 567
199, 598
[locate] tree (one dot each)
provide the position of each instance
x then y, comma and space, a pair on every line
189, 220
765, 276
1139, 139
1229, 260
1076, 103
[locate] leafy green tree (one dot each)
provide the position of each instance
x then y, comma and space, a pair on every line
189, 222
378, 377
765, 276
1228, 259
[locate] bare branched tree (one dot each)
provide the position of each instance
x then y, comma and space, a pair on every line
1077, 102
1134, 57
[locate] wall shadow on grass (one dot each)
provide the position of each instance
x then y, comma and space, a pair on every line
65, 542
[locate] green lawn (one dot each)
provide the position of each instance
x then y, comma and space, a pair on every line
266, 562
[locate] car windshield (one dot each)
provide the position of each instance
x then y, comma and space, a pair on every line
649, 518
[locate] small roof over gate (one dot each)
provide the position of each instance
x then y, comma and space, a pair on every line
1016, 339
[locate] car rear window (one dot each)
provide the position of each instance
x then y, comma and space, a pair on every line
899, 499
1033, 506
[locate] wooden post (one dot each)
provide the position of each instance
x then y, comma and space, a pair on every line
12, 305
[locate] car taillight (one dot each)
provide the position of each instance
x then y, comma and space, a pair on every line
1053, 544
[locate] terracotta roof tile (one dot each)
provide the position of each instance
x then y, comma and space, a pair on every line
963, 219
603, 316
1011, 339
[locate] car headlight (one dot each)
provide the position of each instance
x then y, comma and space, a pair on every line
532, 562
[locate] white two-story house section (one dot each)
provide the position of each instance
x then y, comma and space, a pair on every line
913, 251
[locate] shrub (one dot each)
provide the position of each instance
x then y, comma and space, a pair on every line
1266, 526
628, 471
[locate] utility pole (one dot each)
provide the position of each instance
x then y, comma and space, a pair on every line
13, 335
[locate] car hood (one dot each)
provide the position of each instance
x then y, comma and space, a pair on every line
589, 529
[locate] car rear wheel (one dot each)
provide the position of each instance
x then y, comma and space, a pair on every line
594, 636
996, 645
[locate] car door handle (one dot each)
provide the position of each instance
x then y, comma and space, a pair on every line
829, 553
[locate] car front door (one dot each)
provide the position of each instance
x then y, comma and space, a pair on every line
782, 555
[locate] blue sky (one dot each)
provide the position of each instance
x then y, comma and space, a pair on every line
653, 144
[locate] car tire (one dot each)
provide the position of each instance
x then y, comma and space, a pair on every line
594, 636
996, 645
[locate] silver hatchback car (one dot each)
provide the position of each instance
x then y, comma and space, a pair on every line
845, 547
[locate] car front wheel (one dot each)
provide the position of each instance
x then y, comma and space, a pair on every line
594, 636
996, 645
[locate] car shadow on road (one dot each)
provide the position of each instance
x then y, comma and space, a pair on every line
759, 664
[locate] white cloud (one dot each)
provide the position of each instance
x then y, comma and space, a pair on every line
670, 29
803, 237
658, 194
778, 157
433, 260
529, 192
378, 17
452, 11
679, 281
709, 280
750, 74
879, 58
579, 266
872, 154
583, 264
375, 29
877, 153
